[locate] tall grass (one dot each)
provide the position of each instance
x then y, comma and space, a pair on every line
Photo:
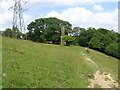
35, 65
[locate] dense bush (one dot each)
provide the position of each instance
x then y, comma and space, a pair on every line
113, 50
84, 37
70, 40
99, 39
8, 33
14, 33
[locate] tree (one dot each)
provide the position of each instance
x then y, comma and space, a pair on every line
69, 40
47, 29
13, 33
82, 40
110, 34
113, 50
103, 31
8, 33
85, 36
99, 41
77, 31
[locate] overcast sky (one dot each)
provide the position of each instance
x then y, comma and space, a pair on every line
82, 13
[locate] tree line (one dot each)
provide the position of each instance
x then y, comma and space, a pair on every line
48, 30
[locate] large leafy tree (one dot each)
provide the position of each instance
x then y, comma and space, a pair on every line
85, 35
111, 34
113, 50
99, 41
47, 29
77, 31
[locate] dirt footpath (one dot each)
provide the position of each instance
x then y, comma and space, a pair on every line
103, 80
100, 80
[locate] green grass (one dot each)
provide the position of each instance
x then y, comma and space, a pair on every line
0, 62
97, 86
27, 64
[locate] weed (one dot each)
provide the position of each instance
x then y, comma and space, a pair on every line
97, 86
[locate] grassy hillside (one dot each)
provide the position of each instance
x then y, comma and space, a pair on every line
36, 65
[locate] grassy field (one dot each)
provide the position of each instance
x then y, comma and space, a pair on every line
0, 62
27, 64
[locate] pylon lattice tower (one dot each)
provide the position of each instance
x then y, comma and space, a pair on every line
18, 20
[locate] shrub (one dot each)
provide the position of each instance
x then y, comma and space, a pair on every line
70, 40
113, 50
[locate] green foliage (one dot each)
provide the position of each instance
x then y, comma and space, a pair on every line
96, 39
103, 31
99, 41
68, 39
47, 29
110, 34
82, 40
8, 33
85, 36
77, 31
97, 86
113, 50
14, 33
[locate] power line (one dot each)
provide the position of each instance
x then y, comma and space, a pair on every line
18, 20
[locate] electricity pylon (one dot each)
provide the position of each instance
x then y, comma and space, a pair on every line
18, 20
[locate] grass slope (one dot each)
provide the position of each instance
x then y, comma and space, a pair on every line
28, 64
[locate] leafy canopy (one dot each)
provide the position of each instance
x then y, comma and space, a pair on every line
47, 29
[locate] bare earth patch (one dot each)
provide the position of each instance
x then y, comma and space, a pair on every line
103, 80
92, 62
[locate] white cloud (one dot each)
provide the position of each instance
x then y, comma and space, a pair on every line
74, 0
5, 5
69, 2
78, 16
98, 7
6, 16
83, 17
5, 19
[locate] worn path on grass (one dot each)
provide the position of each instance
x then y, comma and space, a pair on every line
103, 80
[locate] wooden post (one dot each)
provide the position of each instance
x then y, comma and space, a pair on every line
62, 34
